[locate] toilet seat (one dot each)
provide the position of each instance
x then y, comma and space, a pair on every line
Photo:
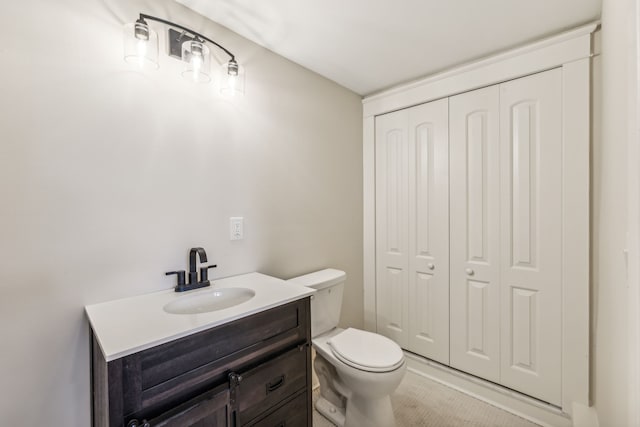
366, 351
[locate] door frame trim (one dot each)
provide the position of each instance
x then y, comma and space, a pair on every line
633, 215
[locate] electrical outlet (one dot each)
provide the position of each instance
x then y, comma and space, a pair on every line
236, 224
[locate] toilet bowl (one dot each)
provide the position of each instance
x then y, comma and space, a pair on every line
357, 370
365, 389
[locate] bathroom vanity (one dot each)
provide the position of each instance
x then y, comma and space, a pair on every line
249, 364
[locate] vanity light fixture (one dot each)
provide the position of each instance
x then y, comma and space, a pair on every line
141, 48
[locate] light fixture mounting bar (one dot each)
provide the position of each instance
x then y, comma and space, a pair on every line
176, 38
190, 31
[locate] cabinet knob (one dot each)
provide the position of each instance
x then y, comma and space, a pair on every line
431, 266
469, 271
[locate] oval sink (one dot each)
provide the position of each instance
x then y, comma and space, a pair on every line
206, 302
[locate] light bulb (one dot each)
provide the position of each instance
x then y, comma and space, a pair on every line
141, 48
196, 63
232, 84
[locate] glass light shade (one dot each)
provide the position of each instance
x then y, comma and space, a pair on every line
198, 61
140, 45
232, 79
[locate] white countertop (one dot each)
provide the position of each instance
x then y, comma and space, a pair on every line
126, 326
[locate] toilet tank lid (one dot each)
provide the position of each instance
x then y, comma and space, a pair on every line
320, 279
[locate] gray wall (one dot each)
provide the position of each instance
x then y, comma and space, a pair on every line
108, 176
611, 292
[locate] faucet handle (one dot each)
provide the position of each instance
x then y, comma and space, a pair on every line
180, 275
204, 272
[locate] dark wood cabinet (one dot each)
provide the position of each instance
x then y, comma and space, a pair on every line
251, 371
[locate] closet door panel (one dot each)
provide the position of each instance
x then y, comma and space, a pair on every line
531, 244
475, 233
392, 232
428, 217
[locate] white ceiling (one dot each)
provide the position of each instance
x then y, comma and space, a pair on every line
370, 45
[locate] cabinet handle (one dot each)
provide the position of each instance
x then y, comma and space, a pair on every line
235, 379
431, 266
136, 423
275, 384
469, 271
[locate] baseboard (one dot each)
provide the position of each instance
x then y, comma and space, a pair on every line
501, 397
584, 416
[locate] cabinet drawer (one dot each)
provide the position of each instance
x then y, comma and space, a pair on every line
292, 414
265, 386
170, 360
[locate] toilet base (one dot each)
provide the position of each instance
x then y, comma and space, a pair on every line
369, 412
330, 411
360, 412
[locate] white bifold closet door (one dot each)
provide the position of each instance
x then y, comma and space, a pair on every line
482, 256
412, 228
531, 235
475, 232
392, 226
506, 259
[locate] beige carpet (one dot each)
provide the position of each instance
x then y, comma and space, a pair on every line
422, 402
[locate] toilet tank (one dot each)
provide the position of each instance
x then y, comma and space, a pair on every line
326, 302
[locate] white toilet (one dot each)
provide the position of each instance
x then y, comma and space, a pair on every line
358, 370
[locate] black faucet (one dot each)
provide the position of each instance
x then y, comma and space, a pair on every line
193, 273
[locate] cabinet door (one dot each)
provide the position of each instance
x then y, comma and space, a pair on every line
475, 232
531, 213
392, 222
428, 243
